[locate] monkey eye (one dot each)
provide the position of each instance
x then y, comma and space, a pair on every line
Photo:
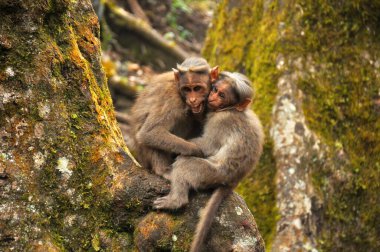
186, 89
201, 72
197, 88
222, 95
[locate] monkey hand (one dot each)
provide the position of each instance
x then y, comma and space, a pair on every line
194, 151
198, 153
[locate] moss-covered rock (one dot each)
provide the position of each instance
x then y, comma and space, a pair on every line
341, 90
234, 228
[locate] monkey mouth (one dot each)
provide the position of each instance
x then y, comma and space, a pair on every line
211, 105
197, 109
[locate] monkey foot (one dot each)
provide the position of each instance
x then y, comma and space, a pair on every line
169, 202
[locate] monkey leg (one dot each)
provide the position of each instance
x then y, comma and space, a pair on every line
199, 173
188, 172
155, 160
178, 196
144, 156
179, 191
161, 162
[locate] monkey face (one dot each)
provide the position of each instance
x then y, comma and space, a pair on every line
221, 96
194, 88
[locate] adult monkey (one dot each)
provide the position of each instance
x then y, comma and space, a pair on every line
170, 110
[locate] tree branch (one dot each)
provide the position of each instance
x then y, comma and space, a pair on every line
145, 30
137, 10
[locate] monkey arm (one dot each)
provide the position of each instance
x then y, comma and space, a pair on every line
203, 144
159, 137
198, 141
210, 144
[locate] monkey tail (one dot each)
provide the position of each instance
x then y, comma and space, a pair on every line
207, 217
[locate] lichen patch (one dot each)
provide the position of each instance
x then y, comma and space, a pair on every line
245, 243
238, 210
43, 110
9, 72
63, 166
39, 160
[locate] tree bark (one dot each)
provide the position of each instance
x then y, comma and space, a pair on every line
67, 180
315, 67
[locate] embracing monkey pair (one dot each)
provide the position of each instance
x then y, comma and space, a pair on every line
174, 109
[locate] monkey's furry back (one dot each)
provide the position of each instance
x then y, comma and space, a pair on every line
157, 98
159, 95
234, 141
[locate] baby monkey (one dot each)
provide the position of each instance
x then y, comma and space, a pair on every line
232, 143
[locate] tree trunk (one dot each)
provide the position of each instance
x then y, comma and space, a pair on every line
315, 66
67, 180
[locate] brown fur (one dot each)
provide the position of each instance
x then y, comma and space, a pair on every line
162, 119
232, 142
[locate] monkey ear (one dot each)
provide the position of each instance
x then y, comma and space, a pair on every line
243, 105
176, 74
214, 73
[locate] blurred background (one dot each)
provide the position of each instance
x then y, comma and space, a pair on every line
315, 66
143, 38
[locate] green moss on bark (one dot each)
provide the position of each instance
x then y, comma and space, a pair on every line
341, 90
68, 140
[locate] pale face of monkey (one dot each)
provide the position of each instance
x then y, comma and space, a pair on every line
221, 96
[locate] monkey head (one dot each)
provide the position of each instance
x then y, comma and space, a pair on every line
232, 90
193, 78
